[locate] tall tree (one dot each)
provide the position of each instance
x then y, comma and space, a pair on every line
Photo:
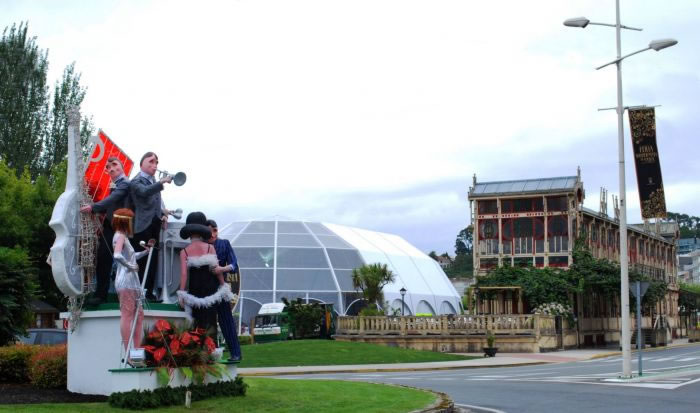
433, 255
23, 100
67, 93
463, 263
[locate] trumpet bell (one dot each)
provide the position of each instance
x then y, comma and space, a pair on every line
177, 214
179, 179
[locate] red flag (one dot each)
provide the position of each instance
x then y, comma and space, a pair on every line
96, 178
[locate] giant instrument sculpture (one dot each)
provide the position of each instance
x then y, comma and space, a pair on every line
65, 220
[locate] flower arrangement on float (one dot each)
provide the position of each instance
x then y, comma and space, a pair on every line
191, 351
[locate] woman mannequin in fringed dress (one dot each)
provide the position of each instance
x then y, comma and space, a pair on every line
197, 264
127, 280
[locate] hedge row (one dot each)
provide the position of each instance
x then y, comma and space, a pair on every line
43, 366
170, 396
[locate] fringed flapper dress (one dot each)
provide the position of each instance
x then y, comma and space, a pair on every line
204, 290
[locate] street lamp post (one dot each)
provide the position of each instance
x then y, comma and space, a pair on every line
403, 292
657, 45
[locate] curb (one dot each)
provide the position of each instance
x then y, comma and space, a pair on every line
645, 350
379, 369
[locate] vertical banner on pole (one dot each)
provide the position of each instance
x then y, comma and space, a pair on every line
646, 162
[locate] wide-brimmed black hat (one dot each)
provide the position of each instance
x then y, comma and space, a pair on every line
196, 224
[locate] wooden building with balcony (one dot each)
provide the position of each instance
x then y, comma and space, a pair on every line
534, 222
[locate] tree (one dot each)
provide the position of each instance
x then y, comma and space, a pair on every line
67, 93
16, 289
32, 135
433, 255
464, 241
371, 279
25, 210
23, 100
463, 264
303, 318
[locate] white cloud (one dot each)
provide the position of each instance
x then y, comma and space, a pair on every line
296, 107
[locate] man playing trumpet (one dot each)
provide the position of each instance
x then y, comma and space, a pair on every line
150, 215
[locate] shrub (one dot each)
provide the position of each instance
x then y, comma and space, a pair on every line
48, 367
371, 312
245, 340
14, 363
168, 396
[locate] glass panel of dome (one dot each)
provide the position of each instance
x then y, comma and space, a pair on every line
344, 258
307, 280
344, 278
286, 227
232, 230
260, 227
301, 258
255, 257
256, 279
254, 240
333, 242
296, 240
318, 228
325, 298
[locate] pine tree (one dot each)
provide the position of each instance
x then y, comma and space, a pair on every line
23, 100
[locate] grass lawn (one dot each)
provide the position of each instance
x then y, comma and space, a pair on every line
329, 352
277, 395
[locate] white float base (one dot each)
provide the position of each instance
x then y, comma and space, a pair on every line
146, 379
94, 348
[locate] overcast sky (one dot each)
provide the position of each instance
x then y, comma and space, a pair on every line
376, 114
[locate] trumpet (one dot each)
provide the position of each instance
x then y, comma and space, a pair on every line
177, 214
179, 178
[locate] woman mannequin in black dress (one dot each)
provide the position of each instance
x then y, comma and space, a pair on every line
197, 264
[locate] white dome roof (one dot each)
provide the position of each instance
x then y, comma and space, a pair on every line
314, 261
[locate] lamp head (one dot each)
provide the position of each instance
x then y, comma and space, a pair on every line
662, 44
402, 291
581, 22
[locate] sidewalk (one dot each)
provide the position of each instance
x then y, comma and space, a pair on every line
501, 360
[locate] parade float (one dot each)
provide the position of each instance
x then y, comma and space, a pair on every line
96, 357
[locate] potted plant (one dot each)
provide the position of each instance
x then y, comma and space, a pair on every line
490, 350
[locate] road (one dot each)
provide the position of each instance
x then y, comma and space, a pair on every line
670, 383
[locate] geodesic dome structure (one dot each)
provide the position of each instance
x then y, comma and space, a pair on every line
314, 261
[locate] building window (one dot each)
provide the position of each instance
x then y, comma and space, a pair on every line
558, 261
487, 263
488, 236
556, 203
488, 207
558, 233
539, 262
506, 206
522, 235
522, 262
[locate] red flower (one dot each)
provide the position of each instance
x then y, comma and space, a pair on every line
162, 325
186, 337
200, 331
210, 344
196, 339
159, 354
175, 347
150, 349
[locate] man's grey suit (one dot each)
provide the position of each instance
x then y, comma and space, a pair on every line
147, 202
117, 198
145, 196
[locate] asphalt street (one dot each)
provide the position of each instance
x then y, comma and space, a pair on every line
670, 383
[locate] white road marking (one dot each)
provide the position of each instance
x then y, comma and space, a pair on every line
470, 406
688, 359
